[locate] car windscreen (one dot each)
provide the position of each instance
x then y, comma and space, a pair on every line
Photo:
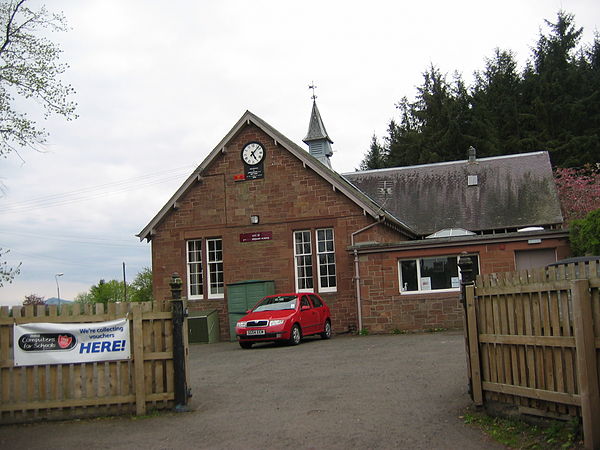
277, 303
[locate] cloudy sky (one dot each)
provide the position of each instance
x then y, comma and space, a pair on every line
160, 83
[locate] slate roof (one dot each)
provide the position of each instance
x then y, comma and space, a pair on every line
316, 127
338, 182
512, 191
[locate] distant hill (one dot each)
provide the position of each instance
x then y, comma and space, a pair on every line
54, 301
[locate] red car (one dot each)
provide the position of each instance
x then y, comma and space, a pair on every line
284, 317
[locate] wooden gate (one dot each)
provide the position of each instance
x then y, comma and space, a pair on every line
60, 391
534, 342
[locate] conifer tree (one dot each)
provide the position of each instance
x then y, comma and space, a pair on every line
375, 158
553, 104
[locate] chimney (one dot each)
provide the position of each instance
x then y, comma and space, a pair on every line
472, 154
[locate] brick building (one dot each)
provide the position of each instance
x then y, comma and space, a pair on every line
260, 207
502, 211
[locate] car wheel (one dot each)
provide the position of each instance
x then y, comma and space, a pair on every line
295, 335
246, 345
326, 334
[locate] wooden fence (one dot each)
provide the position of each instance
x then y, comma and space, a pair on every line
534, 342
60, 391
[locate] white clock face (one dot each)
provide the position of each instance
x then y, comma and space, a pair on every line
253, 153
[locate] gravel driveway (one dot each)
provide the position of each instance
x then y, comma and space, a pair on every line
401, 391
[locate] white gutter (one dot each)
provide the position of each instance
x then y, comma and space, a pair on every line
380, 219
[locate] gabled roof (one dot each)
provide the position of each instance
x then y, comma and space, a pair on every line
316, 127
339, 183
504, 192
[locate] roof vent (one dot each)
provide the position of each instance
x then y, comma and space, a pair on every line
472, 180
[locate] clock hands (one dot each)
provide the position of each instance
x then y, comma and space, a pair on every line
252, 153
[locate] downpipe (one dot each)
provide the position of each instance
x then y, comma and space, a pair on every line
380, 219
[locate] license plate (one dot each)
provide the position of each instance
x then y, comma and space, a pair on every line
254, 332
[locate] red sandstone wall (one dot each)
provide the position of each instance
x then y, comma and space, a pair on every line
290, 197
384, 309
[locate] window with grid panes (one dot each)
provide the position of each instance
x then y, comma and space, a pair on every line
303, 261
195, 283
216, 286
326, 260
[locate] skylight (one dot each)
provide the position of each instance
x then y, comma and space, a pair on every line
450, 232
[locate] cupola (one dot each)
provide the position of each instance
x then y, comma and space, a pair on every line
317, 139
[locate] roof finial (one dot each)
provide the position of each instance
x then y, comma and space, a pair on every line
313, 87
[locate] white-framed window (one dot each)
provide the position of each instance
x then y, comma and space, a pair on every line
195, 280
440, 273
216, 285
198, 266
326, 260
303, 261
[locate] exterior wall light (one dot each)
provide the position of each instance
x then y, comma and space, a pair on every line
254, 220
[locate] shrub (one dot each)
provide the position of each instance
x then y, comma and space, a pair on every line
585, 234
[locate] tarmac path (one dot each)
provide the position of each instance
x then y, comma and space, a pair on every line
368, 392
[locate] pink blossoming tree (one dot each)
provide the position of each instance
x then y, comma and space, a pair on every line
578, 190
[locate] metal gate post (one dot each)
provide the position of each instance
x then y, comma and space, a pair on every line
179, 314
466, 273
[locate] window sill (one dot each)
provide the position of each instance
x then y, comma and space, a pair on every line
432, 291
327, 291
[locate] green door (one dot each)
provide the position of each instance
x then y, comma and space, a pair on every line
243, 296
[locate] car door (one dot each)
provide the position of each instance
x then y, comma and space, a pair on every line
308, 316
321, 313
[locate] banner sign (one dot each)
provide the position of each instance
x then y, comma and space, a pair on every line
66, 343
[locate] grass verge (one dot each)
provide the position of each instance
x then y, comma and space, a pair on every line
517, 434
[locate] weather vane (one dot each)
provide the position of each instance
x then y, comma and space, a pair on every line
313, 87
